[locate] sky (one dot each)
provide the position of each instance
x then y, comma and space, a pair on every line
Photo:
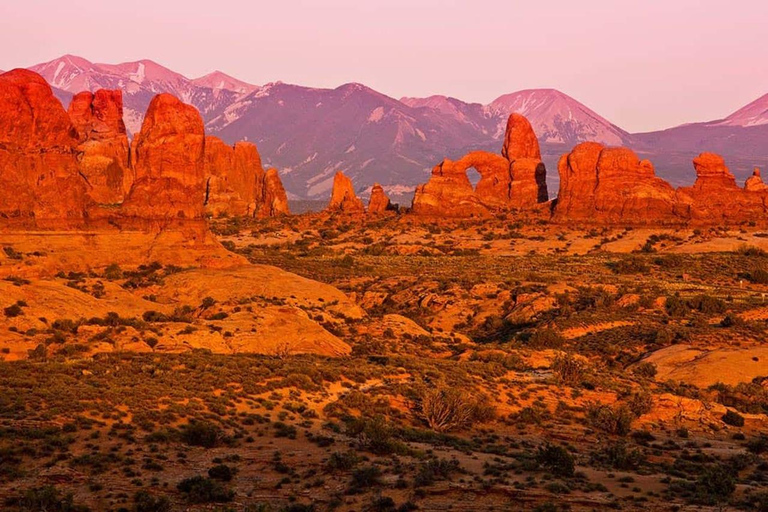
642, 64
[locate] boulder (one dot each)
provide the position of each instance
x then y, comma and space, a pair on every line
103, 145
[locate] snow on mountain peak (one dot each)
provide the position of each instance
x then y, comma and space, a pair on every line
754, 114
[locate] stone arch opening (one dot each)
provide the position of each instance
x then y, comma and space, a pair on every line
474, 176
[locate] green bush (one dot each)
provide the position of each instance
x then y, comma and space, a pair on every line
201, 433
199, 489
733, 418
556, 459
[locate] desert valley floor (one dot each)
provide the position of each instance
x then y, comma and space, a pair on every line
377, 364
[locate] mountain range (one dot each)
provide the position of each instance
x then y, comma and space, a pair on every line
310, 133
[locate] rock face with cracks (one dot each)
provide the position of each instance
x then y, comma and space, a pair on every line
609, 185
168, 157
40, 185
103, 145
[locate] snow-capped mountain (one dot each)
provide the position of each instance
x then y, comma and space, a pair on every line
140, 81
556, 118
219, 81
309, 133
754, 114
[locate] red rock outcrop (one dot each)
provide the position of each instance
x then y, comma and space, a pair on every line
520, 140
168, 157
273, 201
343, 197
103, 149
39, 181
514, 180
715, 198
379, 203
610, 185
236, 183
230, 173
755, 182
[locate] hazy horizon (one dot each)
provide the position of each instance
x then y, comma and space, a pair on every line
643, 67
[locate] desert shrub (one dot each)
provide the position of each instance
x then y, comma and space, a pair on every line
201, 433
619, 456
199, 489
715, 485
13, 310
375, 435
546, 338
435, 470
222, 472
556, 459
703, 303
630, 265
707, 304
758, 445
46, 499
449, 409
616, 420
568, 369
645, 370
113, 271
758, 276
752, 251
733, 418
342, 461
365, 478
732, 320
145, 502
640, 403
12, 253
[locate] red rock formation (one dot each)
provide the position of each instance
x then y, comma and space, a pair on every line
168, 159
449, 192
230, 174
516, 180
520, 140
273, 201
715, 198
755, 182
379, 202
611, 185
39, 181
103, 149
236, 183
343, 197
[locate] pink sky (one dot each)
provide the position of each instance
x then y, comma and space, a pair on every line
642, 64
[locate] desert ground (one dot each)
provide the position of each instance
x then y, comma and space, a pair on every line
331, 362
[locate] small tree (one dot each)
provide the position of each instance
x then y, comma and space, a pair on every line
449, 409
